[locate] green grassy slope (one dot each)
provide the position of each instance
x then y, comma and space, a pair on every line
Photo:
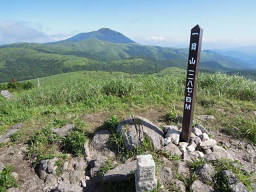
30, 60
66, 97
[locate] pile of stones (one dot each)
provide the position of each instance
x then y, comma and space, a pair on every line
199, 146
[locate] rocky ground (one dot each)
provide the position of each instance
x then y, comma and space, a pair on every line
206, 163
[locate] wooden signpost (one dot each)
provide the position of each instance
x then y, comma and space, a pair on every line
190, 90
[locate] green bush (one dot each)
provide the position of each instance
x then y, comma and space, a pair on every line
118, 88
27, 85
6, 179
73, 143
173, 117
111, 124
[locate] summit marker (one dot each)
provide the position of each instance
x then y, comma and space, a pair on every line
190, 87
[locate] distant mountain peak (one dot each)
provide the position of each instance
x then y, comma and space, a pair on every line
104, 34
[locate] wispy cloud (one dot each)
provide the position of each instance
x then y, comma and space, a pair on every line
20, 31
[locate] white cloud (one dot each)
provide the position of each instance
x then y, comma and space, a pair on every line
157, 38
20, 31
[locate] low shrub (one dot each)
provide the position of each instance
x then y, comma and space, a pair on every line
119, 88
73, 143
6, 179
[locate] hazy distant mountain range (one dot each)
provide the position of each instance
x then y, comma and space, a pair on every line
106, 50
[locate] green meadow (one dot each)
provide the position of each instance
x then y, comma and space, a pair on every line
65, 98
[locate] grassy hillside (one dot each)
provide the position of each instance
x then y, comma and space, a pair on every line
67, 97
30, 60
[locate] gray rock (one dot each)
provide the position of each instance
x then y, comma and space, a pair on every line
207, 151
12, 130
205, 137
172, 135
196, 140
121, 172
182, 168
96, 165
218, 155
178, 185
183, 146
171, 149
67, 187
208, 144
6, 94
63, 131
1, 167
206, 117
100, 140
234, 184
197, 131
136, 128
198, 186
201, 127
51, 180
51, 167
191, 147
76, 176
205, 173
46, 166
165, 175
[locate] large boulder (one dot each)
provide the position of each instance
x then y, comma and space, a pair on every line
171, 149
136, 128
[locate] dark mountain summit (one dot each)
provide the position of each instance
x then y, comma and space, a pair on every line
104, 34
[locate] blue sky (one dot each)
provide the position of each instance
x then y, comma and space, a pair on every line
226, 23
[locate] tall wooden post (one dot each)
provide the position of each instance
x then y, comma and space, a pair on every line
190, 87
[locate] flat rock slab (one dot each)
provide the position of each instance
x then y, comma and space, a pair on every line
63, 131
121, 172
135, 129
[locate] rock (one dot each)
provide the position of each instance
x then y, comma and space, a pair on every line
198, 186
121, 172
206, 117
79, 164
63, 131
145, 179
1, 167
208, 144
83, 183
195, 155
197, 131
96, 165
165, 175
76, 176
183, 146
67, 187
182, 168
51, 167
12, 130
136, 128
207, 151
172, 134
191, 147
234, 184
171, 149
65, 166
196, 140
179, 185
100, 140
51, 180
204, 137
46, 166
13, 190
15, 175
201, 127
6, 94
87, 153
205, 173
254, 112
218, 155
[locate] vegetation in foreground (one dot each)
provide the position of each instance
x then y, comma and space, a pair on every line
65, 98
